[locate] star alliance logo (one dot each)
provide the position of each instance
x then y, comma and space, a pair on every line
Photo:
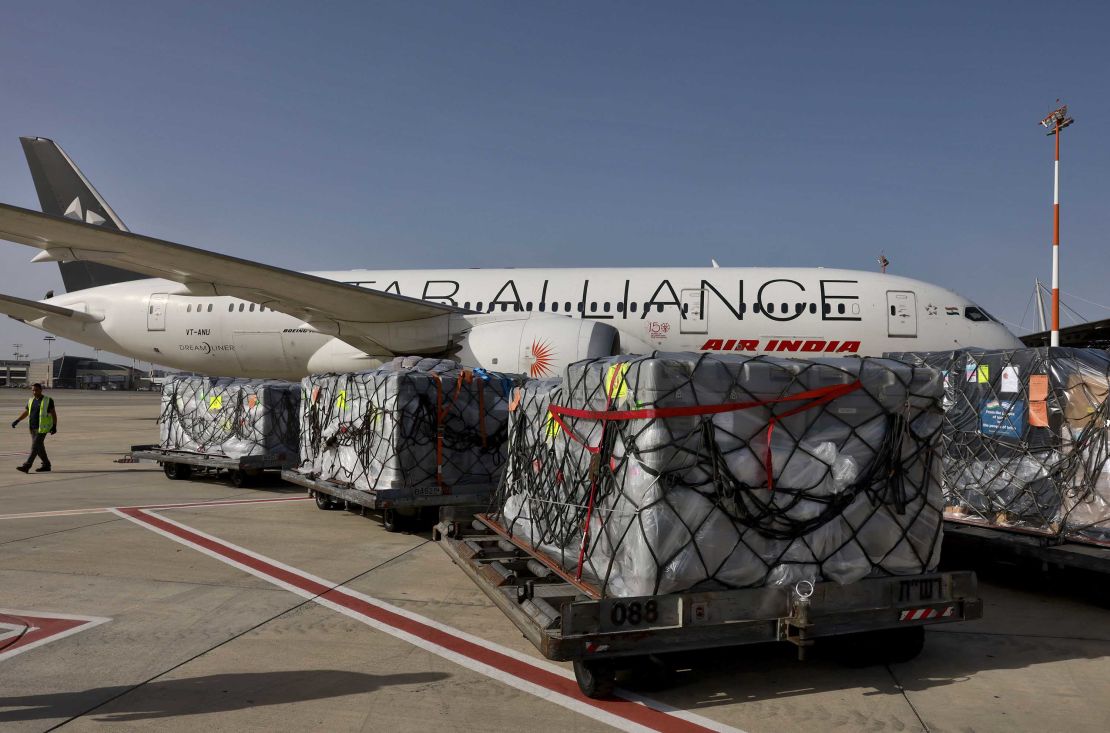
90, 216
931, 309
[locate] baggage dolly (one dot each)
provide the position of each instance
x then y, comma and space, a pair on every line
569, 620
397, 505
179, 465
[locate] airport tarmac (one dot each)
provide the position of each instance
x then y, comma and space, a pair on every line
236, 609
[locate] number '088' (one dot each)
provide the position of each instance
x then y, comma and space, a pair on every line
634, 613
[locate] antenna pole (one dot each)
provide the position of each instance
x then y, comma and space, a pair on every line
1056, 121
1040, 305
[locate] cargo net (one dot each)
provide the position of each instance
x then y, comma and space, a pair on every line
414, 422
1025, 439
230, 417
664, 473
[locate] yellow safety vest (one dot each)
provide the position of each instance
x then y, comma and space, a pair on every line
46, 420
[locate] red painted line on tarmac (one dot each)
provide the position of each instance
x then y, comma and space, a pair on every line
640, 716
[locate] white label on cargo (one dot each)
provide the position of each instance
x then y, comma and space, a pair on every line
1010, 381
846, 410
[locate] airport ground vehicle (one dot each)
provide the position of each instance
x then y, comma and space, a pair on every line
398, 506
568, 620
181, 465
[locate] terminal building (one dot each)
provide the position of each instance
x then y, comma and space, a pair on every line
72, 372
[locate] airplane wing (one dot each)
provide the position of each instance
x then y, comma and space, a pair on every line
366, 319
30, 310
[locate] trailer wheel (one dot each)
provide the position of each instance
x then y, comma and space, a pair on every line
240, 479
595, 679
177, 471
391, 520
885, 646
324, 502
902, 645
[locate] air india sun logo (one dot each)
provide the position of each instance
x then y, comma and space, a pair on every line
544, 358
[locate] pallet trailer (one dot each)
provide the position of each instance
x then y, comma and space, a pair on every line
1004, 543
397, 505
180, 465
568, 620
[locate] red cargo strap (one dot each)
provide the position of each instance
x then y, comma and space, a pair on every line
812, 398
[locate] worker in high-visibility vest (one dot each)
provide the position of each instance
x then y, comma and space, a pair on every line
43, 421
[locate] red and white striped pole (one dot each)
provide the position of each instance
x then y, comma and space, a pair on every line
1058, 120
1055, 338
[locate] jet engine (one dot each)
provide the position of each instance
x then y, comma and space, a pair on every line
536, 345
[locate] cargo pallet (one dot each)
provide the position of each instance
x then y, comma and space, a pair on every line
568, 620
1005, 543
180, 465
396, 504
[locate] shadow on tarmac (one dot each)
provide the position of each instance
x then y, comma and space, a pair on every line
724, 676
211, 694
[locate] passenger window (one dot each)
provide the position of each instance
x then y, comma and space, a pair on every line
659, 307
504, 307
685, 308
478, 306
812, 307
241, 306
593, 307
230, 307
826, 309
770, 307
785, 308
151, 310
209, 307
566, 306
543, 306
466, 306
528, 306
581, 307
840, 309
633, 306
799, 307
892, 310
620, 307
555, 306
252, 308
189, 309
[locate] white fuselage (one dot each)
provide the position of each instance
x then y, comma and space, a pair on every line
793, 312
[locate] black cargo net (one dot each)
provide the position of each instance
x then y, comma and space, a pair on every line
1025, 439
656, 474
230, 417
414, 422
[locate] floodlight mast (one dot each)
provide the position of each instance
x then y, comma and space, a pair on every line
1056, 121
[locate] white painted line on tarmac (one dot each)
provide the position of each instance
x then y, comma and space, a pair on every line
186, 505
537, 677
32, 629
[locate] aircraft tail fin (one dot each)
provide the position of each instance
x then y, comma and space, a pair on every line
64, 191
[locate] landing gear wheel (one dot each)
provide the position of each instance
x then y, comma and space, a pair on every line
177, 471
595, 679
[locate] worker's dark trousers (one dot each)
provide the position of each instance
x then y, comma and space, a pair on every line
38, 448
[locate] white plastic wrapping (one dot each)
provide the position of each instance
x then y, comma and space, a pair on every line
414, 422
230, 417
684, 501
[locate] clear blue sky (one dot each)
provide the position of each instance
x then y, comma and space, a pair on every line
419, 134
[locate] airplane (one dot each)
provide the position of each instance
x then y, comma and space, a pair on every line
210, 313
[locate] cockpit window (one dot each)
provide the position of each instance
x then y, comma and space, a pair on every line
977, 314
